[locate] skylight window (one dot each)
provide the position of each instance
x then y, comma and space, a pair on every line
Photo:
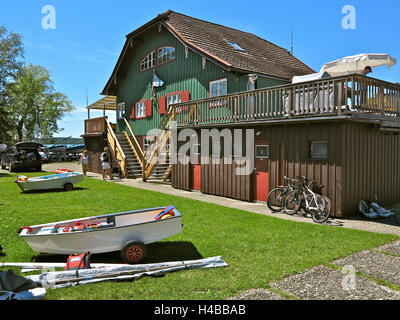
235, 46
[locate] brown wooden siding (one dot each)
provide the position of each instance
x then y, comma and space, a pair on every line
180, 176
221, 180
297, 139
362, 162
371, 166
95, 146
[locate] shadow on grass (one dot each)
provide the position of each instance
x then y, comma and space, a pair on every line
53, 190
166, 251
3, 175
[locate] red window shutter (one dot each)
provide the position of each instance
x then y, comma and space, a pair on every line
162, 103
185, 96
133, 111
149, 107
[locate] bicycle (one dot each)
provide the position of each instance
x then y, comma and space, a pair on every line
306, 199
275, 197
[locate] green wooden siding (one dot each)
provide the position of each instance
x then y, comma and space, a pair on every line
183, 74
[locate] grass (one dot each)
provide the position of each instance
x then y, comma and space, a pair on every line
259, 249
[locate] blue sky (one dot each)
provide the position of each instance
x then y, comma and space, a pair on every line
83, 49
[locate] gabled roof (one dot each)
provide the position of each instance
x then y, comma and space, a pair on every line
212, 42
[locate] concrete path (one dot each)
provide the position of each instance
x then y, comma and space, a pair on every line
386, 226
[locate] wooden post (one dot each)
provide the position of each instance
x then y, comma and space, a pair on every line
382, 99
290, 103
340, 98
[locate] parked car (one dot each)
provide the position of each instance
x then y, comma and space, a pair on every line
22, 156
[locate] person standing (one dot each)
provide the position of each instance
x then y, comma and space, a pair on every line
85, 162
105, 164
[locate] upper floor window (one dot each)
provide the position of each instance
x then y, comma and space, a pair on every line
140, 109
157, 57
148, 61
165, 54
218, 87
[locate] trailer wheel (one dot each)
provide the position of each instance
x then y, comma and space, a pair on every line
68, 186
134, 252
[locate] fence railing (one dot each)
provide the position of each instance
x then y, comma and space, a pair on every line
325, 97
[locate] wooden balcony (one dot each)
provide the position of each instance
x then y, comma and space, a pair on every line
336, 96
97, 126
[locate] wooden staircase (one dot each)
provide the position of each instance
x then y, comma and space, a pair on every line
157, 164
129, 154
133, 166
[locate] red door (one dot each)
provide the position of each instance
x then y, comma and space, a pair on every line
196, 177
261, 174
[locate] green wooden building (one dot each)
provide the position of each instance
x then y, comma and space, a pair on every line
342, 131
195, 59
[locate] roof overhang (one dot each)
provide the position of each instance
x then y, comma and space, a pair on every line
106, 103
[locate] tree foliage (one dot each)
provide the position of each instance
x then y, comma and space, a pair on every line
35, 106
29, 104
11, 62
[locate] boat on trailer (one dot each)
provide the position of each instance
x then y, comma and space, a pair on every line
128, 232
64, 180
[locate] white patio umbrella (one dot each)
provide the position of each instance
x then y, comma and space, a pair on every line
357, 63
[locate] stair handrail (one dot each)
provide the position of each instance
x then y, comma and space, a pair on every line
139, 156
116, 148
159, 143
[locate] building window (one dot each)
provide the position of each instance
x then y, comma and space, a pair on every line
148, 61
319, 150
218, 87
120, 110
173, 98
165, 54
140, 109
262, 152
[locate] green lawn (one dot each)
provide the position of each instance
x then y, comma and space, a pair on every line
258, 248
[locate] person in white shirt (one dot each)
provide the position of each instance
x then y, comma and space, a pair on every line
105, 164
85, 162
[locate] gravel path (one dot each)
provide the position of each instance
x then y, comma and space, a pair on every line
378, 265
323, 283
393, 248
258, 294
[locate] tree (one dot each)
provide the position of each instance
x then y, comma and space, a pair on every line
11, 62
34, 105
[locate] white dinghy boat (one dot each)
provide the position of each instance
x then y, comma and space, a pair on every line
128, 232
54, 181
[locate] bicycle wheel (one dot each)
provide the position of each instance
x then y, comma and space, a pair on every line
325, 207
292, 203
275, 200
